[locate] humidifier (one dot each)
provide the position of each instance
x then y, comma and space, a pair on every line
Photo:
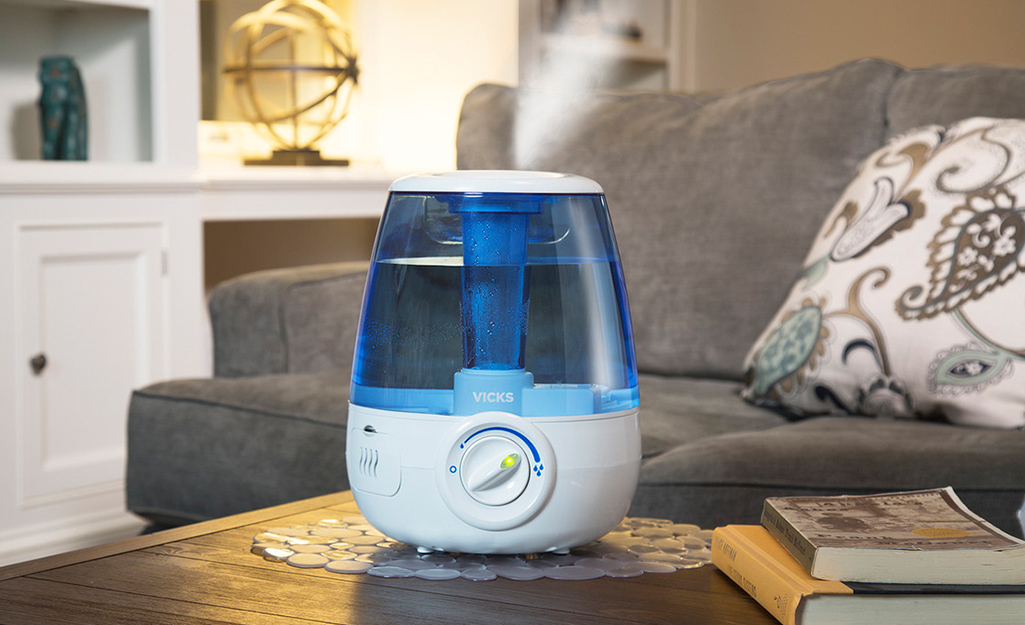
494, 404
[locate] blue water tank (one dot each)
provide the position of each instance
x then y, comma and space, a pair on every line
495, 290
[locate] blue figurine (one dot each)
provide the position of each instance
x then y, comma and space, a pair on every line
62, 110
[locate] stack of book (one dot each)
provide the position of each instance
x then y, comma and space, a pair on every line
918, 557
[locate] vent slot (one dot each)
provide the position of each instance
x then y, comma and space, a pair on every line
374, 461
368, 461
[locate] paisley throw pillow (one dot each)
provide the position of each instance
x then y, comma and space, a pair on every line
911, 302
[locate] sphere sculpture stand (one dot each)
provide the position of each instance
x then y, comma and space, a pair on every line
297, 158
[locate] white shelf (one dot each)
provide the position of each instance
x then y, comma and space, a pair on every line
82, 4
70, 177
268, 193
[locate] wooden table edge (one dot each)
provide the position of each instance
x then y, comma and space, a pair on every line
175, 534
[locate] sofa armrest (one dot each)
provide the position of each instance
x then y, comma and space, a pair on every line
296, 320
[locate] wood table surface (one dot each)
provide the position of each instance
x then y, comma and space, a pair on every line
205, 573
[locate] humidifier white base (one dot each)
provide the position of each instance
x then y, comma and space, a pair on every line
495, 482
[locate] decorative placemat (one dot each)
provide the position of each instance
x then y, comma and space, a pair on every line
352, 546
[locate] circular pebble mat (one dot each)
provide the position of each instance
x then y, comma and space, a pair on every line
351, 546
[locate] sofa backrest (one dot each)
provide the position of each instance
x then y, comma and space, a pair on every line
715, 200
945, 95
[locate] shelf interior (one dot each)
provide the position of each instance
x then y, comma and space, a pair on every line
110, 43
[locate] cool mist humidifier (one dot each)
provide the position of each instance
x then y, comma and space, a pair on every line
494, 402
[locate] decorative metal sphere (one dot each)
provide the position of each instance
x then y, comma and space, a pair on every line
292, 68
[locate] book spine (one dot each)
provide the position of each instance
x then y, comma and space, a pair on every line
746, 565
788, 536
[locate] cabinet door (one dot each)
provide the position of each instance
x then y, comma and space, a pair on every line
93, 319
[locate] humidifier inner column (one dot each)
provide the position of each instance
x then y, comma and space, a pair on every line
495, 303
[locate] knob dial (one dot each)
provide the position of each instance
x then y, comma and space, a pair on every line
494, 470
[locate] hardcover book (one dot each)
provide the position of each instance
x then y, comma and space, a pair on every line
914, 537
752, 558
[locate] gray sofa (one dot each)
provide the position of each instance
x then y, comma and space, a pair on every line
715, 199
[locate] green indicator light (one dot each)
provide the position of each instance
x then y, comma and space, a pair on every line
510, 461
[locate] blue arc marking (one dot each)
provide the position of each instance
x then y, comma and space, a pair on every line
533, 450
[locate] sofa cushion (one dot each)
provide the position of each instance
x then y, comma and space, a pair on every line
907, 305
676, 411
834, 455
714, 201
200, 449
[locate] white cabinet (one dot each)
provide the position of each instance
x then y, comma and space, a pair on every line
93, 324
102, 281
101, 277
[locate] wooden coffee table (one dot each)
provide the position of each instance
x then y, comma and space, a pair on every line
205, 573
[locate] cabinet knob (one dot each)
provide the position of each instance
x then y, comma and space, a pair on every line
38, 363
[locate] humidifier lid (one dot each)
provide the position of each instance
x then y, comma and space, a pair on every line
498, 181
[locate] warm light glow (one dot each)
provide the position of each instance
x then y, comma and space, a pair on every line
418, 61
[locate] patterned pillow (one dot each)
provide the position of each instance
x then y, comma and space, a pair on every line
911, 302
